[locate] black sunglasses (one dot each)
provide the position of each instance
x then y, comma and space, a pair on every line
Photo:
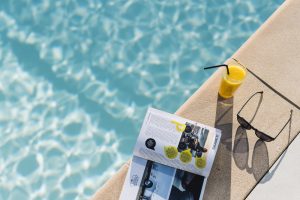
247, 125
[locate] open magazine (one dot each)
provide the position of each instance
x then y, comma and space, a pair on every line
172, 159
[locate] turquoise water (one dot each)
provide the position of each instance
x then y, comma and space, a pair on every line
76, 78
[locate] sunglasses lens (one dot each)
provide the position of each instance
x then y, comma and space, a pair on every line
243, 123
263, 136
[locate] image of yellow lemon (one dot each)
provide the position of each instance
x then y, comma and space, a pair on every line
186, 156
200, 162
171, 152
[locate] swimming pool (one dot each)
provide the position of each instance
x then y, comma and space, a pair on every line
77, 77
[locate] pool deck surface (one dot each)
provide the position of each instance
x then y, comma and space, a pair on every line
272, 53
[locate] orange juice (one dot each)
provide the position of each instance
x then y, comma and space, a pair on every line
230, 82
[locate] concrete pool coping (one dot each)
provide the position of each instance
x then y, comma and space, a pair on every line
242, 160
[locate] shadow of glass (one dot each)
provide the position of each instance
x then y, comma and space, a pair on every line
220, 178
241, 148
260, 160
224, 118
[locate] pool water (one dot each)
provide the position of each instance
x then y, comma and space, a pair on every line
76, 78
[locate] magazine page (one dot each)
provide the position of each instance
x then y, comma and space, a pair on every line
177, 142
148, 180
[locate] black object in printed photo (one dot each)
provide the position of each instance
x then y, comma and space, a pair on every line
150, 143
148, 184
186, 186
193, 138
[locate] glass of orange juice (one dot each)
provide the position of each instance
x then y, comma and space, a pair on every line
231, 82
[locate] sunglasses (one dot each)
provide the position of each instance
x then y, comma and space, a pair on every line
247, 125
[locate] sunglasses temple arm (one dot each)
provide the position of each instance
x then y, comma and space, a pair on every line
261, 92
289, 121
